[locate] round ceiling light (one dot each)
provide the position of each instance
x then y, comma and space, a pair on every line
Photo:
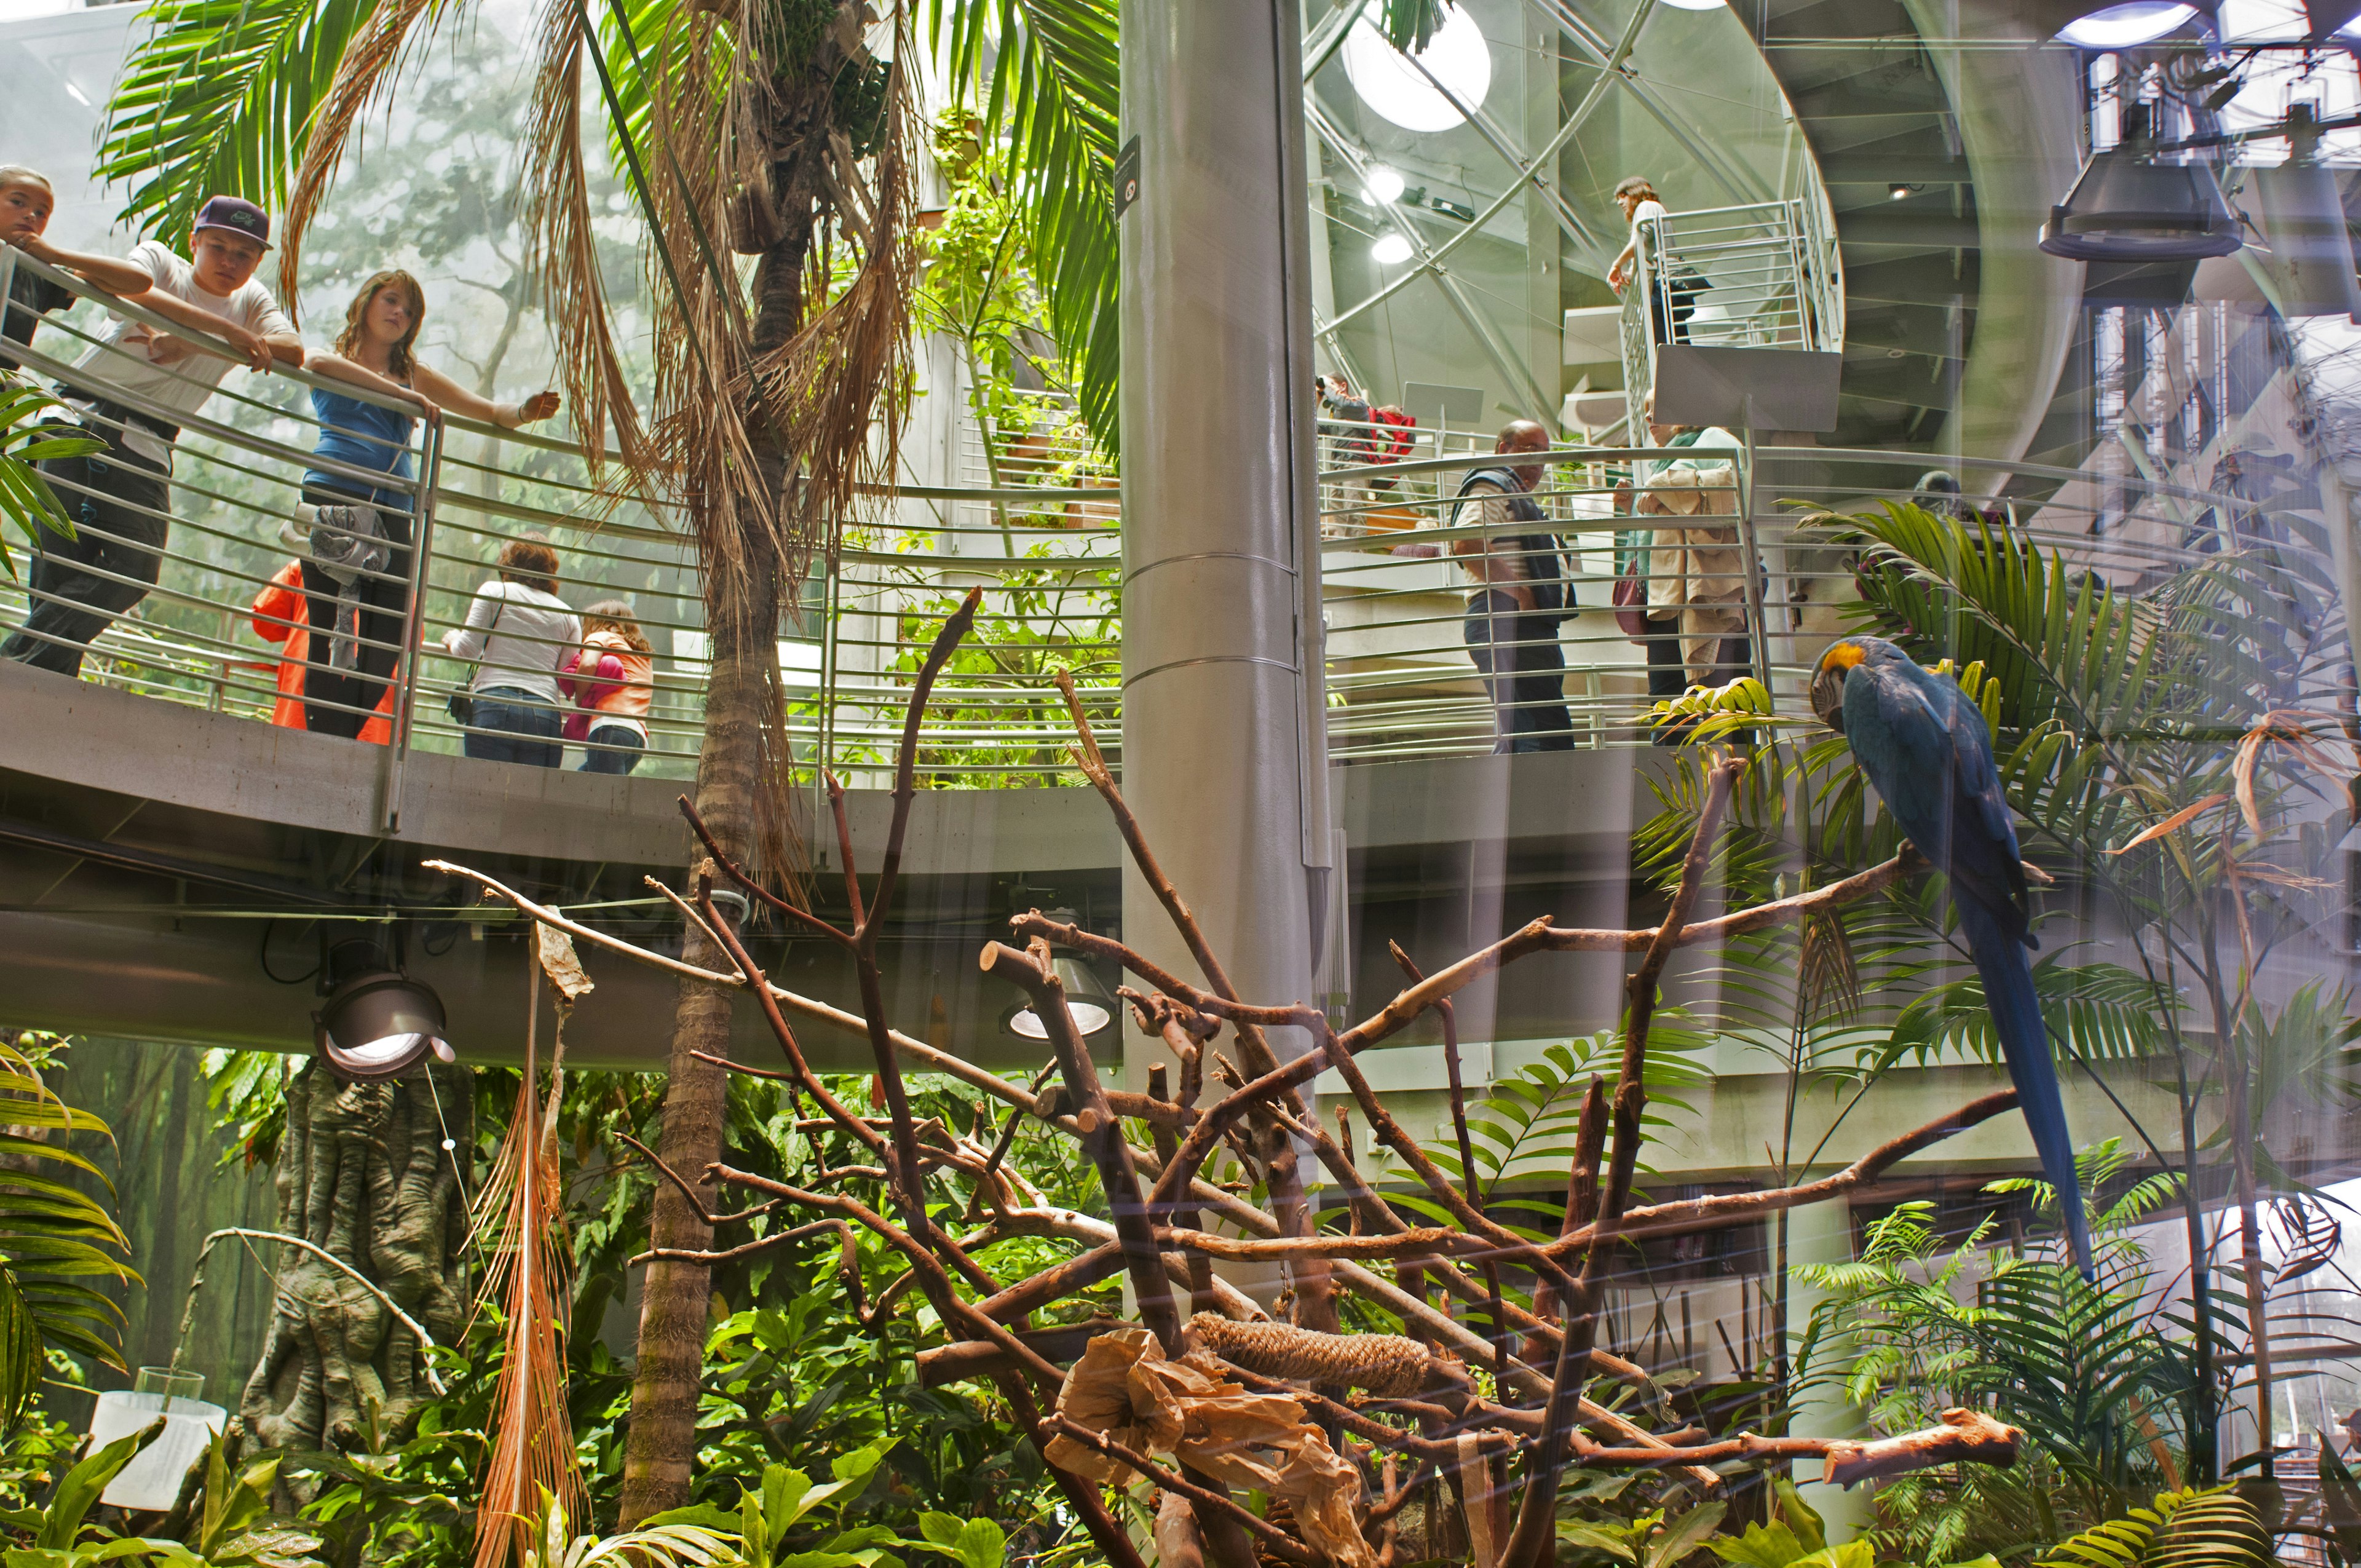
1456, 56
2127, 25
1695, 5
1391, 250
381, 1024
1384, 186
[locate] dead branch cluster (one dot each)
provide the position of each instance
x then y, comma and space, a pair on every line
1473, 1413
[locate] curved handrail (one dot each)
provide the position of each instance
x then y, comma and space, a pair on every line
1394, 553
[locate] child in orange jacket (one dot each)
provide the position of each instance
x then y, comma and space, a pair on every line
281, 615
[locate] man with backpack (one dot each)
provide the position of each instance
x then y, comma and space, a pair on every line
1521, 596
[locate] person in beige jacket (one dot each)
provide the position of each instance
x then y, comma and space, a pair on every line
1695, 569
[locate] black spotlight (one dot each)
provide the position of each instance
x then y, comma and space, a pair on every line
2127, 206
1094, 1007
377, 1022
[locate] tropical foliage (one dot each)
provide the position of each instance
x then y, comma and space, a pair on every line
29, 433
56, 1242
2098, 1377
2175, 756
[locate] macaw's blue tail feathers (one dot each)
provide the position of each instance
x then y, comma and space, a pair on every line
2016, 1018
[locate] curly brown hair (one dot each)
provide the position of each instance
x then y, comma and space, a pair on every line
615, 615
530, 559
399, 358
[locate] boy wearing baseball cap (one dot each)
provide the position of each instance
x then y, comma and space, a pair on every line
132, 390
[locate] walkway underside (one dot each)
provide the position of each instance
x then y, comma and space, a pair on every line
192, 913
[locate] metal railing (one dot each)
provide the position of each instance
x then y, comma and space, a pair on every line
1409, 615
1765, 275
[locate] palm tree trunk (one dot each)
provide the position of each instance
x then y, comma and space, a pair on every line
660, 1449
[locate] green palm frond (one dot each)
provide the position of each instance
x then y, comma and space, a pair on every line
1408, 24
57, 1243
218, 99
1052, 89
2105, 1011
2210, 1528
31, 431
1522, 1132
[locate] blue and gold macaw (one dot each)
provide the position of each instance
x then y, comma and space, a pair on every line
1928, 752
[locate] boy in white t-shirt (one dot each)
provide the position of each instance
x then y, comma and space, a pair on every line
120, 499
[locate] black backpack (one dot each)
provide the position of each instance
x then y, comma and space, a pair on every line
1545, 572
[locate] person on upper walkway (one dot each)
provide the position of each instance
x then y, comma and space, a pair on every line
519, 632
610, 678
1678, 285
1518, 599
129, 392
27, 200
355, 539
282, 615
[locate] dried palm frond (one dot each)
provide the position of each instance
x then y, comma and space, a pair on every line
520, 1219
774, 413
370, 65
564, 247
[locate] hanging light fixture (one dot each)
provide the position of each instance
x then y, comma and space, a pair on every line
1390, 249
1087, 1001
2127, 206
377, 1022
2311, 264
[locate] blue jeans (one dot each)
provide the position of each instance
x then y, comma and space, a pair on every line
613, 750
514, 726
1517, 653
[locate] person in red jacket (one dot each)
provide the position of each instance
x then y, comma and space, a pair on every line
281, 615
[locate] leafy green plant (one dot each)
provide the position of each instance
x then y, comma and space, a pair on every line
231, 1525
54, 1534
31, 431
2102, 1381
2211, 1527
55, 1238
2340, 1507
770, 1513
1651, 1541
658, 1543
971, 1543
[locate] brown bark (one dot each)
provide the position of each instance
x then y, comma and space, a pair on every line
660, 1446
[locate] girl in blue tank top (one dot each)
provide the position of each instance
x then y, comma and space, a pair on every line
356, 617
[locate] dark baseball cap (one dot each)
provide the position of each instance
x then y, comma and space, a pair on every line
236, 215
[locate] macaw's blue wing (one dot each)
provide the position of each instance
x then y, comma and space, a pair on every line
1928, 752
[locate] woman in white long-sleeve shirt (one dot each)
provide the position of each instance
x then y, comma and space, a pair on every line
518, 631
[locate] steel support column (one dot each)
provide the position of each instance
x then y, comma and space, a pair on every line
1224, 746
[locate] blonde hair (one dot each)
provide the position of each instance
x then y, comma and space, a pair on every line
19, 174
615, 615
398, 359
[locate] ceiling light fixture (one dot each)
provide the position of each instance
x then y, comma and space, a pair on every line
1089, 1002
1384, 186
2127, 206
381, 1024
1391, 250
2127, 25
1695, 5
1456, 57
